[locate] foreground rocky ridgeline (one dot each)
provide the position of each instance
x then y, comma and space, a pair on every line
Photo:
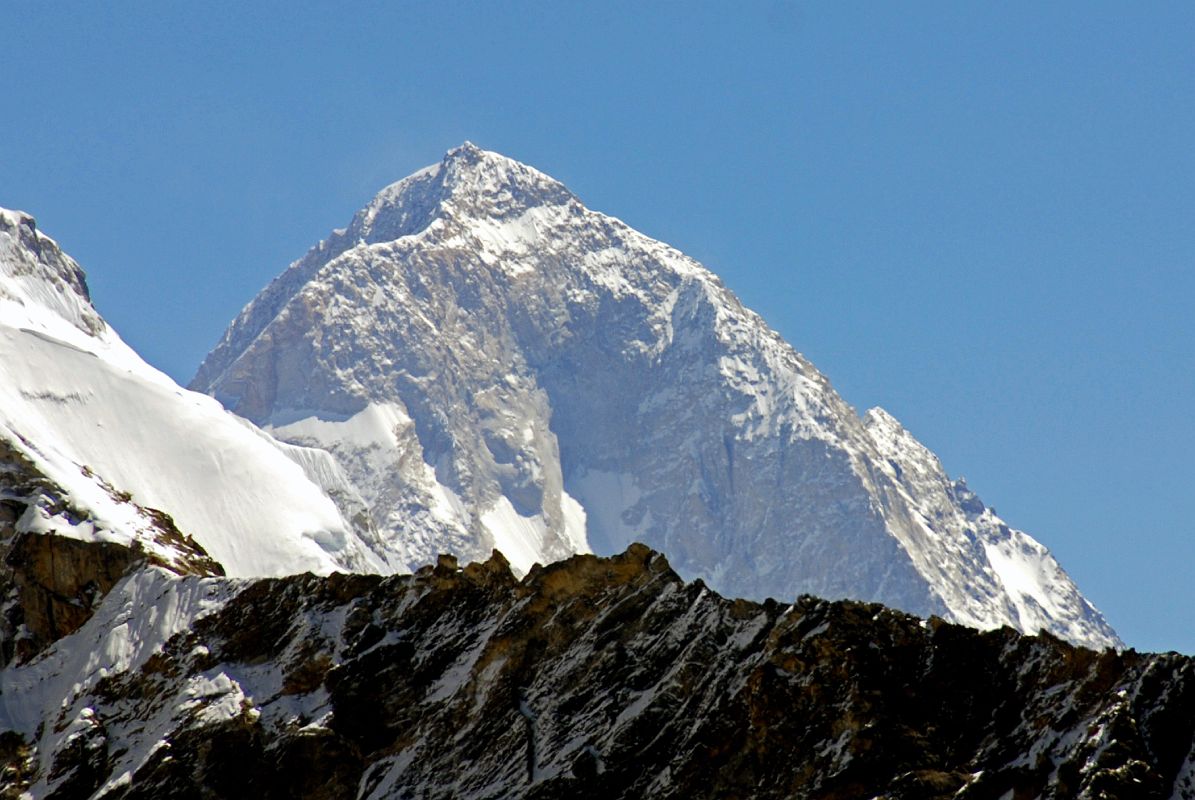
593, 677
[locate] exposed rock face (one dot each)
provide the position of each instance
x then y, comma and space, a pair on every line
58, 583
34, 271
481, 353
52, 583
593, 677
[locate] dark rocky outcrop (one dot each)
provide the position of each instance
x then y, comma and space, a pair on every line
610, 677
58, 582
52, 583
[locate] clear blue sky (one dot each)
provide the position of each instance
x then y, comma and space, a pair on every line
980, 216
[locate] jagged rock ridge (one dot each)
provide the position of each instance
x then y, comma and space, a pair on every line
592, 677
493, 364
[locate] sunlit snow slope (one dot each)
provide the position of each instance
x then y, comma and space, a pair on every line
114, 435
493, 364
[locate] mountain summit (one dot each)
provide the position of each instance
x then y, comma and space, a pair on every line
492, 364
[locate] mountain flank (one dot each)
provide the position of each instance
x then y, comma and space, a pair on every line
491, 364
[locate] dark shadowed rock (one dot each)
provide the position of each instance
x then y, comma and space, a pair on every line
52, 582
607, 678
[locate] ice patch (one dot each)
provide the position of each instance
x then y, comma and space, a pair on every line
605, 498
521, 539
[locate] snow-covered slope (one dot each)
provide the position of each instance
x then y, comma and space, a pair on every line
114, 436
492, 363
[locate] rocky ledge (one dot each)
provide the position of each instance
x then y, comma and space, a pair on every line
593, 677
50, 583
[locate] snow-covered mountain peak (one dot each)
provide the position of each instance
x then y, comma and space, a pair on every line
468, 182
41, 288
470, 170
11, 218
493, 364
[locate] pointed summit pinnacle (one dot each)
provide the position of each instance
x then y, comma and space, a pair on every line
466, 153
493, 185
467, 156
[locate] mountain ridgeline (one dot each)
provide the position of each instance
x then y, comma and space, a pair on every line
589, 678
494, 365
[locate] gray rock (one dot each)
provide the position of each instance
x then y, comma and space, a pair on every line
479, 351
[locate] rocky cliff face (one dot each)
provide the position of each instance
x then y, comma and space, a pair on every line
495, 365
51, 584
36, 276
592, 677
